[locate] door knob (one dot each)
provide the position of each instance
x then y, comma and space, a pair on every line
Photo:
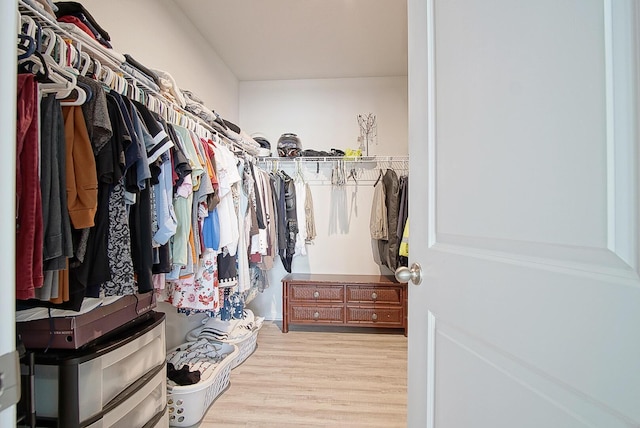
404, 274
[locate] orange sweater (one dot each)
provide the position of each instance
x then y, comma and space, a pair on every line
82, 178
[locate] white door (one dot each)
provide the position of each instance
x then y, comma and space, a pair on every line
524, 214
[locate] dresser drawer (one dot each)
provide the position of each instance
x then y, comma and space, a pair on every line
386, 316
316, 293
324, 314
344, 301
373, 294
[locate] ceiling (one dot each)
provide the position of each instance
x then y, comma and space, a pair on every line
304, 39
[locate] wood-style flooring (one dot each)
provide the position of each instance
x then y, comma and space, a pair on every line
317, 378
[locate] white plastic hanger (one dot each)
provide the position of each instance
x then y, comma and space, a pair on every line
63, 80
80, 99
85, 63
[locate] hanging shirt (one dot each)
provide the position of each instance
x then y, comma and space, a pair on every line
186, 143
389, 248
244, 218
144, 139
96, 115
81, 185
53, 183
301, 215
211, 230
310, 218
404, 244
29, 228
378, 224
228, 177
160, 142
167, 222
259, 241
132, 147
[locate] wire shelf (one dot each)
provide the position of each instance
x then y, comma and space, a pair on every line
323, 170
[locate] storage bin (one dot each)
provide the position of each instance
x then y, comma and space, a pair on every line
83, 329
188, 404
78, 387
142, 407
161, 421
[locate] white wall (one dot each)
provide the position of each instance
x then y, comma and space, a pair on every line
323, 112
157, 34
324, 115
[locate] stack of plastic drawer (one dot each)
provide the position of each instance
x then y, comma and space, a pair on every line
119, 383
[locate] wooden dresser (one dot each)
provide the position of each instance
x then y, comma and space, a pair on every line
344, 300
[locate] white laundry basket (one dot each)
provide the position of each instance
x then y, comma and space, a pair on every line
188, 404
246, 346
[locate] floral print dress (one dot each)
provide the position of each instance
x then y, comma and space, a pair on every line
197, 292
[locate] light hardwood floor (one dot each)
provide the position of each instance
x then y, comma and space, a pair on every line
317, 378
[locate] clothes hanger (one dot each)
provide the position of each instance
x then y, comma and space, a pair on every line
86, 88
122, 84
353, 174
63, 50
284, 174
84, 63
48, 41
299, 175
26, 42
63, 81
115, 82
79, 100
379, 177
84, 94
28, 26
140, 94
97, 69
131, 92
105, 75
36, 65
68, 59
154, 104
151, 103
73, 56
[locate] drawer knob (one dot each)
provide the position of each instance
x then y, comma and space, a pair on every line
374, 317
374, 296
316, 315
316, 294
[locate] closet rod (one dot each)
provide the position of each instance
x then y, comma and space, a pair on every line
321, 170
353, 161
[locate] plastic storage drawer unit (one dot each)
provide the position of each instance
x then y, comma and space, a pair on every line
79, 388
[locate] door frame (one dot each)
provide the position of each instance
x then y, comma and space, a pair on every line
8, 64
